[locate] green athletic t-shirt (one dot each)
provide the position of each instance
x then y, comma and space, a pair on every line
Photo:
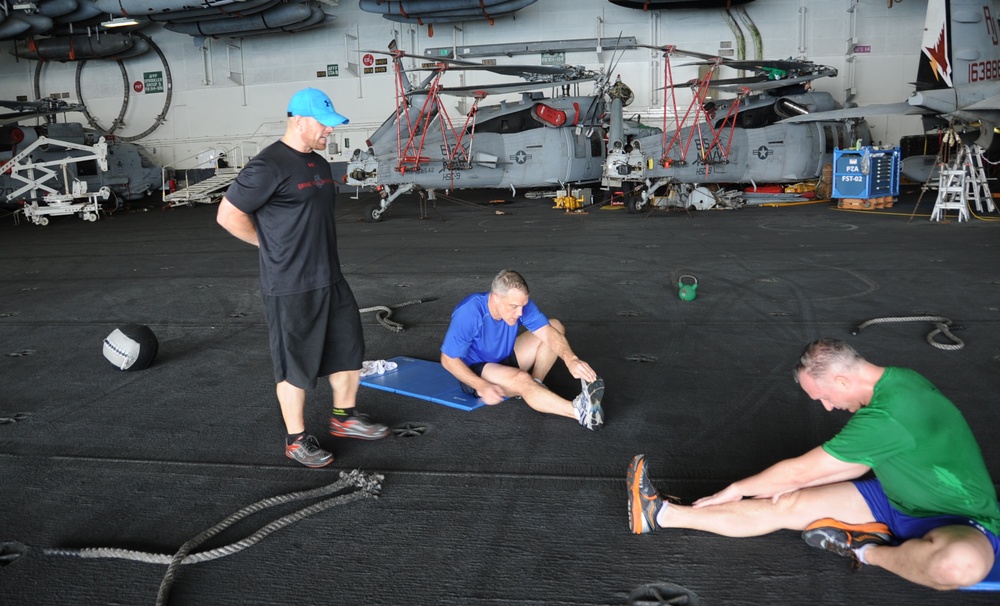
921, 449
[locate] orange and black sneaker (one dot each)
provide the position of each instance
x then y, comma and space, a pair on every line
644, 501
357, 426
306, 450
843, 539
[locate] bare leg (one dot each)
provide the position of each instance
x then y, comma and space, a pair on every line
755, 517
945, 558
292, 400
516, 382
345, 388
533, 356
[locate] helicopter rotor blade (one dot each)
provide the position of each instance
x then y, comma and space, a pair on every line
28, 110
523, 71
510, 87
720, 83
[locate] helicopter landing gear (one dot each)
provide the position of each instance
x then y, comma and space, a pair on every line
635, 202
374, 212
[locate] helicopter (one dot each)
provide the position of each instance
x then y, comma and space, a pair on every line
131, 172
536, 141
956, 90
740, 140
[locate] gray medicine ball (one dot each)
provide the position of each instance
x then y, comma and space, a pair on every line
131, 347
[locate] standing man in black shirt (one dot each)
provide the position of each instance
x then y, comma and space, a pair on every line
283, 202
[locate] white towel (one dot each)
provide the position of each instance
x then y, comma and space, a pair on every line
376, 367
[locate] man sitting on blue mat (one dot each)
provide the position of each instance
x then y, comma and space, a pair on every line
930, 514
484, 352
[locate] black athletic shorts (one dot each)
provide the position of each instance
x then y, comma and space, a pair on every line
477, 368
314, 334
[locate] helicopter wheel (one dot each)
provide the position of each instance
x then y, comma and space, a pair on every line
635, 203
43, 221
373, 213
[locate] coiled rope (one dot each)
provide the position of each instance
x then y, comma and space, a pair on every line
383, 312
941, 323
368, 486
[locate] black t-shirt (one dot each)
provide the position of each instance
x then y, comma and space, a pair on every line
291, 198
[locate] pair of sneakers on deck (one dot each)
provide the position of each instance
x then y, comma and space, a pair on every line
847, 540
306, 448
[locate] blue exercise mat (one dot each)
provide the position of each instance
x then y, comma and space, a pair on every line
423, 380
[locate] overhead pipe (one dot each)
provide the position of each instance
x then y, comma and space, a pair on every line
317, 18
85, 11
12, 28
758, 41
273, 19
656, 5
244, 8
442, 11
278, 19
139, 8
77, 47
57, 8
24, 24
416, 7
741, 42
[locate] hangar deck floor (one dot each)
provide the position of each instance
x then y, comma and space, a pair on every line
500, 505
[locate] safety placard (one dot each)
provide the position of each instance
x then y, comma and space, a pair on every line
152, 82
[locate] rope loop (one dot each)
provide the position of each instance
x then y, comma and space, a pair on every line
941, 323
384, 312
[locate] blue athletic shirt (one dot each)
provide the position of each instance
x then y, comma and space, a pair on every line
474, 336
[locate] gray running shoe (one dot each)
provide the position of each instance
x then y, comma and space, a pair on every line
358, 426
588, 404
845, 539
306, 450
644, 500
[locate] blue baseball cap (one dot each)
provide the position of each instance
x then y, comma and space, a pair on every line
312, 103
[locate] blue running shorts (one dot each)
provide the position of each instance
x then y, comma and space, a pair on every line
905, 527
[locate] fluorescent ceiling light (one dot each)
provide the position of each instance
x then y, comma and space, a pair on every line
120, 22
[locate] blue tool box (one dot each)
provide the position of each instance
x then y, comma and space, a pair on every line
866, 172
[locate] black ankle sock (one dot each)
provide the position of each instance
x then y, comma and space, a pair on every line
290, 438
343, 412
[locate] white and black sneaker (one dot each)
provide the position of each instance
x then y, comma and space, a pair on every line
588, 404
306, 450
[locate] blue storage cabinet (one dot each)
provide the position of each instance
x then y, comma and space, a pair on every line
867, 172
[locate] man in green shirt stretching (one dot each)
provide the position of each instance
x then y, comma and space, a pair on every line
930, 513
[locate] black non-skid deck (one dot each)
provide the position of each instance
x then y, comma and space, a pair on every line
500, 505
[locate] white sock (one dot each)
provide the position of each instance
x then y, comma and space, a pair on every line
860, 552
662, 508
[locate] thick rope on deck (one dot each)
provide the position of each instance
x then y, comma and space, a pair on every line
367, 485
940, 322
382, 313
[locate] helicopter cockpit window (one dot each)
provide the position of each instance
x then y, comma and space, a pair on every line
145, 161
756, 117
515, 122
596, 145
